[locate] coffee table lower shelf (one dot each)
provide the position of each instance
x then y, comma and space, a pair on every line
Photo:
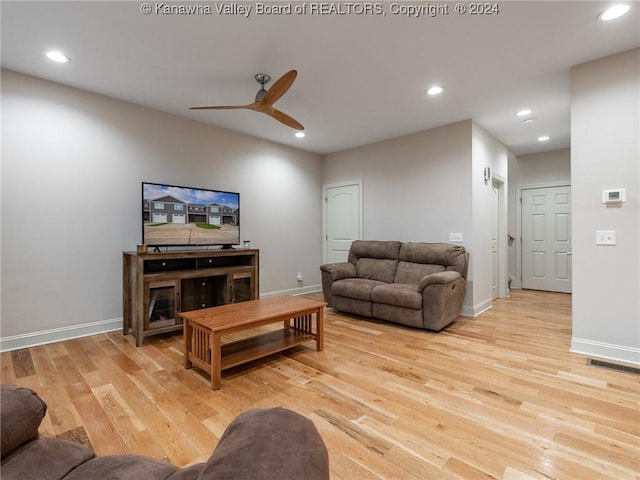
249, 349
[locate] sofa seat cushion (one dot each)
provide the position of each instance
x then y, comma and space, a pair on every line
398, 294
352, 305
411, 273
123, 467
51, 455
356, 288
404, 316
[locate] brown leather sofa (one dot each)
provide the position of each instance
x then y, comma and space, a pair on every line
270, 443
415, 284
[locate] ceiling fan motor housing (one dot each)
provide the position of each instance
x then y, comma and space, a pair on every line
261, 78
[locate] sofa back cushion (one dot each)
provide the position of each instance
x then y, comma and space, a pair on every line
375, 259
411, 273
374, 249
450, 257
376, 269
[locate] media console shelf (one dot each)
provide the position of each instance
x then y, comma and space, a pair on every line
158, 286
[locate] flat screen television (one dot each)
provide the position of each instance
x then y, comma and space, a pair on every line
175, 216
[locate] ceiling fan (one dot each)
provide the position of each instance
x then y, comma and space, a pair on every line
265, 99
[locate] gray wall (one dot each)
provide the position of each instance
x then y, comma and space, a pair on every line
72, 168
605, 154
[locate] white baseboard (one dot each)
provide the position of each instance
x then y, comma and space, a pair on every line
26, 340
293, 291
605, 350
474, 311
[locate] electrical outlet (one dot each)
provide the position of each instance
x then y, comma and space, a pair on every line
455, 237
605, 237
300, 277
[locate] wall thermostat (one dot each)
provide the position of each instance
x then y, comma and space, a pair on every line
617, 195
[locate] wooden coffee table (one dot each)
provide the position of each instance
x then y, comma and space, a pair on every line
203, 331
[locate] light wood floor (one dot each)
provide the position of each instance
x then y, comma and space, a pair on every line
499, 396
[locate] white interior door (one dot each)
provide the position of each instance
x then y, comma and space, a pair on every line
343, 219
495, 246
546, 239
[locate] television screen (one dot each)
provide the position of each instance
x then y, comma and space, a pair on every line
183, 216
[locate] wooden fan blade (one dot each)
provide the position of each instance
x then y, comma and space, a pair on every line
286, 119
279, 88
251, 106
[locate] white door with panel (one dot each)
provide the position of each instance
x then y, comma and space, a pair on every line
343, 219
546, 239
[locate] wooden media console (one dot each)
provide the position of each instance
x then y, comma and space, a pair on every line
158, 286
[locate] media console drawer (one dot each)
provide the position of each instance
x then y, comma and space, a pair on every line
169, 265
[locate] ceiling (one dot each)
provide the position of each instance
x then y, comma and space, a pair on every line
361, 78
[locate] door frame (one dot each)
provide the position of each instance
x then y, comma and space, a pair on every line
517, 281
503, 270
346, 183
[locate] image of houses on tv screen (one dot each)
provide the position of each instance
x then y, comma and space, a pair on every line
189, 216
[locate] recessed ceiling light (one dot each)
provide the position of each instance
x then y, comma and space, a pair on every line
523, 113
300, 134
57, 57
544, 138
435, 90
529, 120
614, 12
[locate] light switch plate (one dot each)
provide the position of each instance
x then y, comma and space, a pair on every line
605, 237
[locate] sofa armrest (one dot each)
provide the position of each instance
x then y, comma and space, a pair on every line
438, 278
21, 412
338, 271
332, 272
442, 298
268, 443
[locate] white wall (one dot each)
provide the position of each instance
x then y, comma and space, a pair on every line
72, 166
605, 153
487, 152
405, 178
538, 169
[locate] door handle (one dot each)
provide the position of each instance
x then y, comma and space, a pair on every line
569, 253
